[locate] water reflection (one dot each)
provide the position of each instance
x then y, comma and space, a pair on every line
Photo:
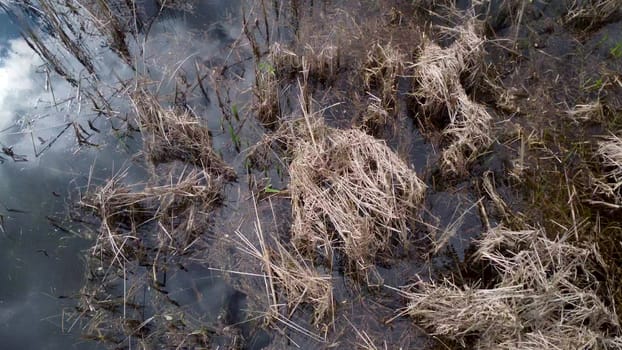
41, 255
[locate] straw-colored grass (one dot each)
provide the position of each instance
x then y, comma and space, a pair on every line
610, 152
546, 298
291, 278
443, 76
383, 66
469, 133
588, 13
169, 134
320, 61
123, 210
349, 190
266, 105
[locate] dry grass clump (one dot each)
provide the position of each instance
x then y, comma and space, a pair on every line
546, 298
125, 211
469, 133
589, 13
320, 62
375, 115
170, 135
292, 275
349, 190
610, 151
443, 76
266, 92
383, 66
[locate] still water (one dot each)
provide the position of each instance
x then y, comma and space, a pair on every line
43, 170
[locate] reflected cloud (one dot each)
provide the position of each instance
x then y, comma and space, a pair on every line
18, 88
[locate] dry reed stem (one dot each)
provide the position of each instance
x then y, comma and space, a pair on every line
291, 274
443, 75
592, 12
349, 187
382, 68
177, 135
610, 152
546, 297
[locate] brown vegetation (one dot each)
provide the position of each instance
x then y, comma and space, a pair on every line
547, 297
443, 76
290, 279
177, 135
351, 192
610, 151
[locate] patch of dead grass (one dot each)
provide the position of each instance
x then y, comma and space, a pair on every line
610, 183
546, 297
589, 13
443, 76
349, 190
169, 134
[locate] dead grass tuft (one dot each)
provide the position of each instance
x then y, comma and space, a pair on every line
124, 210
289, 276
589, 13
266, 92
443, 76
170, 135
610, 151
349, 190
546, 297
320, 61
469, 133
382, 68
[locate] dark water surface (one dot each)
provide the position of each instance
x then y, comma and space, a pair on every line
42, 264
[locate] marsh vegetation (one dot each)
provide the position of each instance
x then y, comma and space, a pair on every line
305, 167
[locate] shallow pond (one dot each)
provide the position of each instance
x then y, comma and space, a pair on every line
44, 170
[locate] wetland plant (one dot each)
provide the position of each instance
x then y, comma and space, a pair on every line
443, 77
350, 192
546, 297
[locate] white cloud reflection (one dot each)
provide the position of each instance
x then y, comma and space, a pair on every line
18, 88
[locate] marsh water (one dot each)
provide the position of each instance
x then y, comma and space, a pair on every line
43, 171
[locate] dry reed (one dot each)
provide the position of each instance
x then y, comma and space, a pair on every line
289, 277
589, 13
443, 76
610, 183
546, 297
170, 135
383, 66
351, 191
